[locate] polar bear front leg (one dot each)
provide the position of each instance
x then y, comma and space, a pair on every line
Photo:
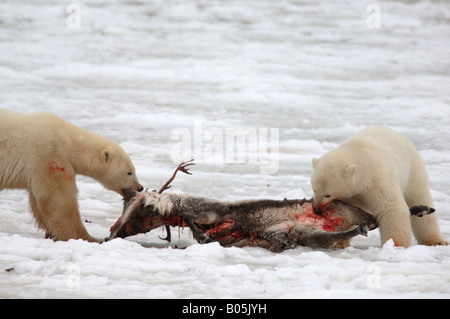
394, 223
37, 214
63, 219
56, 211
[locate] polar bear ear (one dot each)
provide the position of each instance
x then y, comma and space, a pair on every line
105, 156
349, 170
315, 161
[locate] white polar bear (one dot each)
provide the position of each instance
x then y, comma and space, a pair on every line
42, 153
380, 171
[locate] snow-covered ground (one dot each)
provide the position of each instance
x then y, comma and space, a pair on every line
168, 80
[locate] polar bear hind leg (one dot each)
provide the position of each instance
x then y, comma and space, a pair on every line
426, 228
394, 222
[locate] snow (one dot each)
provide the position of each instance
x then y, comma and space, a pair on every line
140, 72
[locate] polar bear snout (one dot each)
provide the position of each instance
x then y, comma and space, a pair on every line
137, 187
318, 208
134, 189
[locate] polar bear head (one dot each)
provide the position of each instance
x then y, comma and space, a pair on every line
333, 177
118, 173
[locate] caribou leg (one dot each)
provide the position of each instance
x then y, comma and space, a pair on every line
328, 240
421, 210
168, 236
200, 236
281, 240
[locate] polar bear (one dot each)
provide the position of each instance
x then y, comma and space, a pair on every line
381, 172
42, 153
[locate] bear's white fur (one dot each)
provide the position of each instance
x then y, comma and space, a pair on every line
380, 171
42, 153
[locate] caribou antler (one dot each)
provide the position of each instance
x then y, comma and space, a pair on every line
182, 168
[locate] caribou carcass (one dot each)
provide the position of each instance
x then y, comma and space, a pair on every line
273, 224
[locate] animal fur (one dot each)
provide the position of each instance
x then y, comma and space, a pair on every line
273, 224
42, 154
380, 171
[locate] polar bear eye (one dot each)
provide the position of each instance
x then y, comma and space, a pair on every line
327, 196
130, 173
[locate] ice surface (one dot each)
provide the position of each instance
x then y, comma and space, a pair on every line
140, 71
